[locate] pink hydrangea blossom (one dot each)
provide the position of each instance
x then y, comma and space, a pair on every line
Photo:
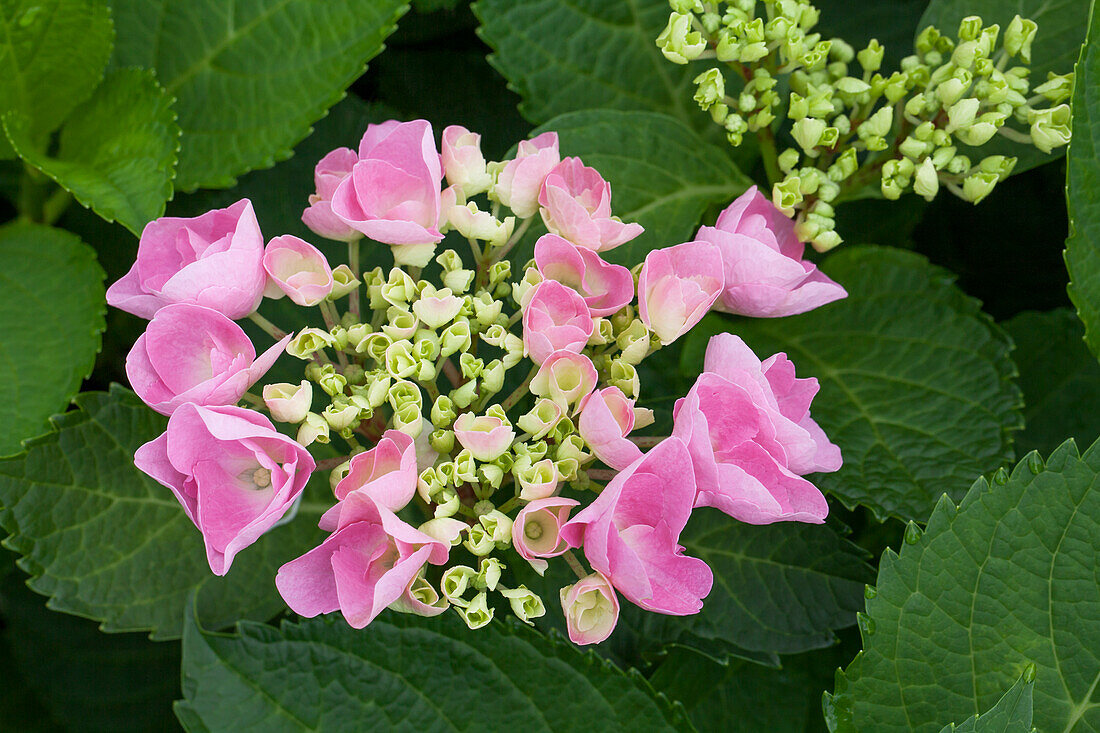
606, 418
330, 172
387, 472
556, 318
297, 269
234, 474
369, 562
677, 287
630, 533
214, 260
193, 354
463, 162
765, 275
486, 437
576, 204
591, 609
536, 532
749, 441
520, 180
392, 194
605, 287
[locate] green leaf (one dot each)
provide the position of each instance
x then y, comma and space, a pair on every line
249, 77
1004, 580
105, 541
51, 318
1011, 714
90, 681
781, 588
741, 696
51, 58
117, 153
568, 55
407, 673
1062, 26
662, 174
916, 382
1082, 183
1060, 379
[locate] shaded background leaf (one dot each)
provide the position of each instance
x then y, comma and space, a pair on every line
51, 317
1006, 579
249, 77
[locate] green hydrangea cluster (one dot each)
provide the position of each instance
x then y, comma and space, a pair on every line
852, 123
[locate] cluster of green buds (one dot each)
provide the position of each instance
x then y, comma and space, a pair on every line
908, 130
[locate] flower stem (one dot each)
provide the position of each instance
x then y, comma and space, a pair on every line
330, 463
647, 441
269, 328
353, 263
575, 564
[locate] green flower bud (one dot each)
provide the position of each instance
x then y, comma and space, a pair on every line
825, 241
566, 469
464, 395
465, 466
958, 165
477, 614
912, 148
404, 393
852, 86
678, 42
978, 185
891, 189
399, 289
333, 384
498, 526
455, 581
525, 604
807, 133
447, 503
513, 346
314, 429
1018, 37
788, 160
978, 133
375, 346
343, 282
442, 441
486, 309
402, 324
428, 483
998, 165
624, 376
845, 165
478, 541
1050, 128
943, 156
340, 416
711, 89
962, 114
896, 87
492, 377
870, 58
878, 124
443, 413
926, 182
308, 342
408, 420
471, 366
399, 360
970, 27
1056, 88
456, 337
787, 194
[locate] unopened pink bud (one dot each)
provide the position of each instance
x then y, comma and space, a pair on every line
576, 204
330, 172
677, 287
591, 609
605, 287
485, 436
297, 269
463, 162
521, 179
556, 318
